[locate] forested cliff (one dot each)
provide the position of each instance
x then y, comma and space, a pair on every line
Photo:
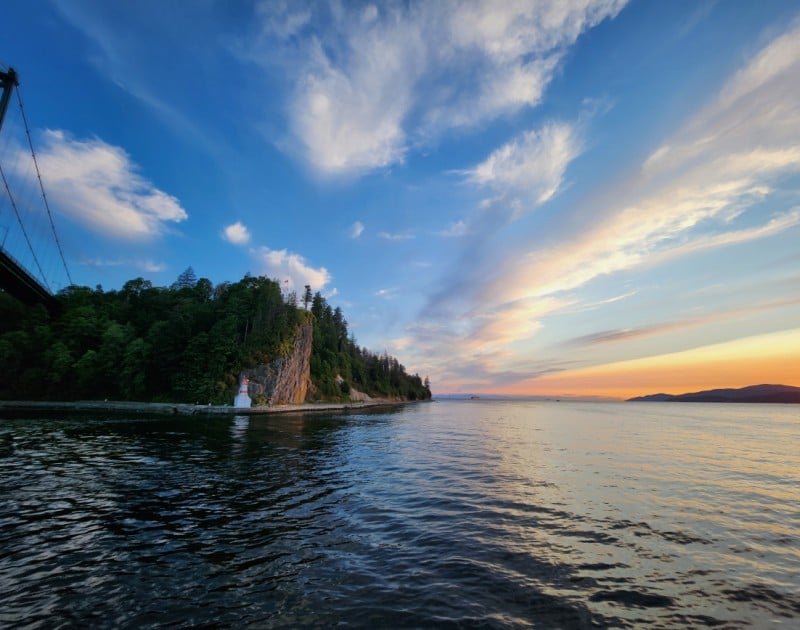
190, 342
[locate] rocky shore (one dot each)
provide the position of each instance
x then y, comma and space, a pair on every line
107, 406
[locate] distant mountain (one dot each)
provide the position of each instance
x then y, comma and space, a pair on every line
751, 394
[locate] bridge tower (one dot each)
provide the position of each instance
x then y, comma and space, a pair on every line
8, 81
14, 278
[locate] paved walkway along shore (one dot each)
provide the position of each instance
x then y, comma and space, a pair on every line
185, 409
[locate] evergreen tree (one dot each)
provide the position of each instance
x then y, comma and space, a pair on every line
186, 280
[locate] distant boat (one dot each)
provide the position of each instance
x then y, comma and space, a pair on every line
474, 397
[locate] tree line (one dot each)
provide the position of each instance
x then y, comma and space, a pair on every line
184, 343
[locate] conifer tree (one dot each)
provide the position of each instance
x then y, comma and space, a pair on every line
186, 280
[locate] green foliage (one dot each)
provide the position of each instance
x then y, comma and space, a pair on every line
186, 280
185, 343
335, 353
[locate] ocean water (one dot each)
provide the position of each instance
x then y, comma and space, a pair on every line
446, 514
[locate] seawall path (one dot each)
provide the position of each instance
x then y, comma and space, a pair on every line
185, 409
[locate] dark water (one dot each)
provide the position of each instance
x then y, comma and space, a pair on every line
451, 514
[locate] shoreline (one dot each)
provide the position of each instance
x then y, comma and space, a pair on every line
183, 409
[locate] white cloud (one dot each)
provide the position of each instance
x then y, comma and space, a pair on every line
290, 269
349, 115
236, 233
282, 19
386, 294
98, 185
150, 266
459, 228
506, 53
511, 30
371, 82
144, 265
530, 168
399, 236
357, 229
101, 262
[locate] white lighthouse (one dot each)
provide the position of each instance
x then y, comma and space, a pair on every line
242, 398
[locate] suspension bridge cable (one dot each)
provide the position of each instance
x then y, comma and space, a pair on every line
24, 232
41, 187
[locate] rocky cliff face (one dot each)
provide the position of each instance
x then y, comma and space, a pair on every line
355, 395
284, 380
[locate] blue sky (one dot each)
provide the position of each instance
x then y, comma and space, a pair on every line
535, 197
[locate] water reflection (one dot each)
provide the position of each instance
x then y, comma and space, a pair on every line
239, 426
472, 514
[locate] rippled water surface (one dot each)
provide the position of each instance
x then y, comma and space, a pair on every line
460, 513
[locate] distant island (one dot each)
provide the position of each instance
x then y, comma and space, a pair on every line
751, 394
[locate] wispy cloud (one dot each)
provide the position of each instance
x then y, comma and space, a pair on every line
291, 269
632, 334
528, 171
708, 175
236, 233
356, 230
98, 185
386, 294
697, 192
589, 306
496, 326
398, 236
373, 81
488, 371
143, 265
774, 226
454, 230
282, 19
660, 328
137, 68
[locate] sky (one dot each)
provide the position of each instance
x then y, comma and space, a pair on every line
566, 197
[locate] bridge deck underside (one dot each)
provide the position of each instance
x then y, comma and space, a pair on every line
14, 279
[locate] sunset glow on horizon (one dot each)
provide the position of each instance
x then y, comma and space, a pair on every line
763, 359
